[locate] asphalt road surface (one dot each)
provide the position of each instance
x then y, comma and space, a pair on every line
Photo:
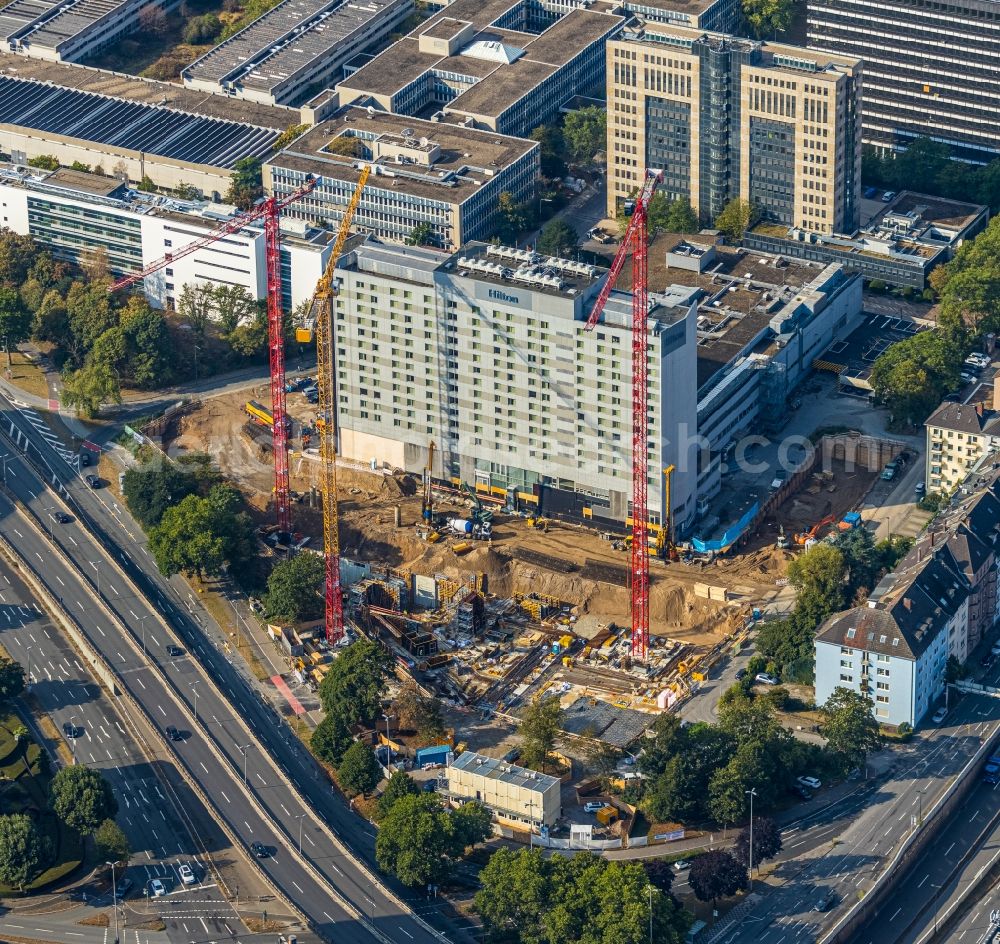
275, 814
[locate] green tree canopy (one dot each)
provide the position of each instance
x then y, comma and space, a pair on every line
352, 688
246, 184
359, 771
293, 589
92, 385
820, 570
111, 841
82, 798
913, 375
849, 725
12, 680
400, 784
18, 253
421, 235
766, 842
670, 216
736, 218
552, 149
331, 739
539, 729
184, 540
15, 319
151, 489
584, 132
22, 850
557, 238
766, 18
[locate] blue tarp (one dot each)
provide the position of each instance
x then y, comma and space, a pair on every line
438, 754
733, 533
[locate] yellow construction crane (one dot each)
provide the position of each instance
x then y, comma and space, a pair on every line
665, 537
321, 315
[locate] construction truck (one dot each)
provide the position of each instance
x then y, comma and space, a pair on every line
261, 414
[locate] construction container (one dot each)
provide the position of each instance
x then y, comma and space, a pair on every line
304, 335
566, 641
606, 815
462, 547
437, 754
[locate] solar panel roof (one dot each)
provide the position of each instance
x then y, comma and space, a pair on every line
134, 126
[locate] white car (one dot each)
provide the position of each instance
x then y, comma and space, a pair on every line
187, 874
766, 679
996, 649
810, 782
593, 807
939, 715
156, 889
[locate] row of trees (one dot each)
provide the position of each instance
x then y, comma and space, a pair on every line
828, 577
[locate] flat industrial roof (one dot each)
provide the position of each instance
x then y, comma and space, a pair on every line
133, 89
494, 769
285, 40
477, 154
82, 182
50, 24
113, 122
400, 64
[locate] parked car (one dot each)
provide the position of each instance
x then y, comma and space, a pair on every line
122, 887
870, 192
84, 458
801, 792
741, 674
765, 678
681, 864
920, 489
995, 650
512, 755
966, 377
939, 715
888, 195
156, 888
259, 850
187, 874
889, 472
594, 806
810, 782
430, 786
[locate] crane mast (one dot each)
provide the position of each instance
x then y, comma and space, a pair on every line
635, 240
322, 315
270, 211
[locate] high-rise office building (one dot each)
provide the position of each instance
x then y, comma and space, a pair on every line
725, 117
931, 68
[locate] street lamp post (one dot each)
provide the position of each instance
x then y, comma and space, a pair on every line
299, 818
649, 888
114, 897
72, 740
751, 793
28, 673
97, 569
142, 630
194, 688
4, 460
387, 719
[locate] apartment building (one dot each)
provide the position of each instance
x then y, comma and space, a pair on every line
512, 794
72, 213
296, 48
446, 176
502, 65
484, 352
725, 117
930, 68
941, 600
959, 435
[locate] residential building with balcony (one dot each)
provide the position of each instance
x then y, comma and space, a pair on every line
959, 435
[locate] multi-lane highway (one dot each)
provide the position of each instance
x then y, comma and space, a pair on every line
239, 750
851, 862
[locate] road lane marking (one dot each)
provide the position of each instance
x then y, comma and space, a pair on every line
224, 796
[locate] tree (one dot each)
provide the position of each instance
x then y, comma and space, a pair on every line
513, 218
359, 770
196, 305
670, 216
352, 688
150, 490
250, 338
331, 739
88, 308
146, 185
44, 161
202, 29
111, 841
539, 728
12, 680
557, 239
472, 824
415, 840
22, 850
766, 18
184, 541
766, 842
715, 875
660, 873
82, 798
89, 387
913, 375
18, 253
293, 589
15, 319
400, 785
421, 235
246, 184
820, 570
148, 345
585, 133
153, 20
736, 218
50, 322
551, 150
849, 725
346, 145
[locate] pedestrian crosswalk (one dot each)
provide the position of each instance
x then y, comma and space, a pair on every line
43, 429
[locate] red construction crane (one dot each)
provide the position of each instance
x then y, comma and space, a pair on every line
635, 241
270, 210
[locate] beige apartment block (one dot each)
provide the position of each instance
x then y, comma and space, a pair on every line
514, 794
725, 117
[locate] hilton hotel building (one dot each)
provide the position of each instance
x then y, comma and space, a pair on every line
484, 351
725, 117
